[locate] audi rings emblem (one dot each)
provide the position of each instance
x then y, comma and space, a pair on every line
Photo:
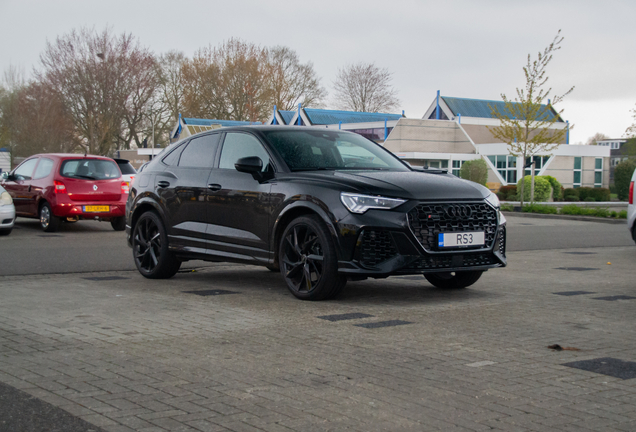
459, 211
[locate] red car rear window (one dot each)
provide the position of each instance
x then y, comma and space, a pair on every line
90, 169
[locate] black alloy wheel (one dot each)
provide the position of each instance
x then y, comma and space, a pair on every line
48, 221
150, 248
308, 260
453, 280
118, 224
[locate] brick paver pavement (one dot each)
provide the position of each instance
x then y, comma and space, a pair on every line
129, 354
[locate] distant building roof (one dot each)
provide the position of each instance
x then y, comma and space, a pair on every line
207, 122
287, 115
482, 108
325, 117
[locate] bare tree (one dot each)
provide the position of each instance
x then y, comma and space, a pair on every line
594, 139
104, 81
365, 87
291, 82
630, 132
202, 93
526, 124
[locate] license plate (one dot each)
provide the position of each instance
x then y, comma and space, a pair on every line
461, 239
96, 209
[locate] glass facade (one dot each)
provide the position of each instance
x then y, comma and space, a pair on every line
539, 163
506, 167
598, 172
375, 134
577, 173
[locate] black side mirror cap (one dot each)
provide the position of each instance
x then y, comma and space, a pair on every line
251, 165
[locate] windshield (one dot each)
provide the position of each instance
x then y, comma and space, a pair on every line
325, 150
90, 169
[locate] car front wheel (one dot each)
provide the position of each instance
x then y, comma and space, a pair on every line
48, 221
150, 248
453, 280
308, 261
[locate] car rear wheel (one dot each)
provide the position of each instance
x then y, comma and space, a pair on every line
150, 248
48, 221
453, 280
118, 224
308, 260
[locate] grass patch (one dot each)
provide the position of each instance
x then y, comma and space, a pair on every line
539, 208
507, 207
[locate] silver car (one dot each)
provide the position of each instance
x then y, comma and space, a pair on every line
631, 208
7, 212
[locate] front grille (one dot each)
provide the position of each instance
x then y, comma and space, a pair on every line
376, 246
428, 220
437, 262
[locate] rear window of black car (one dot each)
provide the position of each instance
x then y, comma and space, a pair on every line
90, 169
126, 168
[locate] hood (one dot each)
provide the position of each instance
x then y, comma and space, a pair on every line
396, 184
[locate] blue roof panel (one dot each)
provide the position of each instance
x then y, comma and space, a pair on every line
206, 122
481, 108
325, 117
287, 115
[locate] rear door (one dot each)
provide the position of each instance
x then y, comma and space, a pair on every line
183, 188
20, 187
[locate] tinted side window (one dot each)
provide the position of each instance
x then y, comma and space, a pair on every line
25, 171
172, 159
44, 168
200, 152
240, 145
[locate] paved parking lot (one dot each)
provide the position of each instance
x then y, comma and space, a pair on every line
226, 347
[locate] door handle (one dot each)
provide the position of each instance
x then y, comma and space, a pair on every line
215, 187
163, 183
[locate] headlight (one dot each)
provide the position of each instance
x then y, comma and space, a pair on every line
5, 199
361, 203
493, 200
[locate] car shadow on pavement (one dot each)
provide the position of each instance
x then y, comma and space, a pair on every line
33, 225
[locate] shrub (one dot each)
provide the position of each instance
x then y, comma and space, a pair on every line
572, 194
589, 199
573, 209
622, 214
510, 192
613, 214
585, 192
501, 196
475, 170
507, 207
542, 188
557, 189
622, 177
540, 208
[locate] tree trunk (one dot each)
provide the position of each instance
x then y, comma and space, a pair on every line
532, 183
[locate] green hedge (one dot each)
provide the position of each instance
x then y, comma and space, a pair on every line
599, 194
571, 194
509, 192
475, 170
557, 189
622, 177
542, 189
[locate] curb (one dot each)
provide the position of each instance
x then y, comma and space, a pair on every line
567, 217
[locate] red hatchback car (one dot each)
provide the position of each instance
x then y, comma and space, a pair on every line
68, 187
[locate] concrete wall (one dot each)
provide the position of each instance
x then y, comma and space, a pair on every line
480, 134
430, 136
562, 168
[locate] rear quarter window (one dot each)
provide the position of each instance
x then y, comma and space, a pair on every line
90, 169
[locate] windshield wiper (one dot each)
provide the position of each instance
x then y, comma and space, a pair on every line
84, 176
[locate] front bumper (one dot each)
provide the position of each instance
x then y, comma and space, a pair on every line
383, 243
7, 217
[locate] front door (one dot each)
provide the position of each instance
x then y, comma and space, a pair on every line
20, 187
239, 206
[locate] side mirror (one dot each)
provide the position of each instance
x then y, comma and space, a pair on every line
11, 177
251, 165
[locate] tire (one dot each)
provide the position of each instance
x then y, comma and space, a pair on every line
273, 268
150, 248
453, 280
308, 261
118, 224
48, 221
5, 232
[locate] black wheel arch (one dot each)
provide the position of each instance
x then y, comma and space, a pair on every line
293, 211
143, 205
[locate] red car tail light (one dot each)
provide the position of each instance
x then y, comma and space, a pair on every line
124, 188
59, 187
631, 193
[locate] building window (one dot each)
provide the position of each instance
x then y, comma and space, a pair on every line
374, 134
598, 172
506, 167
539, 163
457, 164
577, 173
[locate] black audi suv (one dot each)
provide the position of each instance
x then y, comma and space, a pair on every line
320, 206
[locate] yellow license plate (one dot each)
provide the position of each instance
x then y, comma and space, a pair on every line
97, 209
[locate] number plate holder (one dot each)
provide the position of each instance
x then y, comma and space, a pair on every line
461, 239
97, 209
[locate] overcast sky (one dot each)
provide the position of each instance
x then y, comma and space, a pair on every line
473, 49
